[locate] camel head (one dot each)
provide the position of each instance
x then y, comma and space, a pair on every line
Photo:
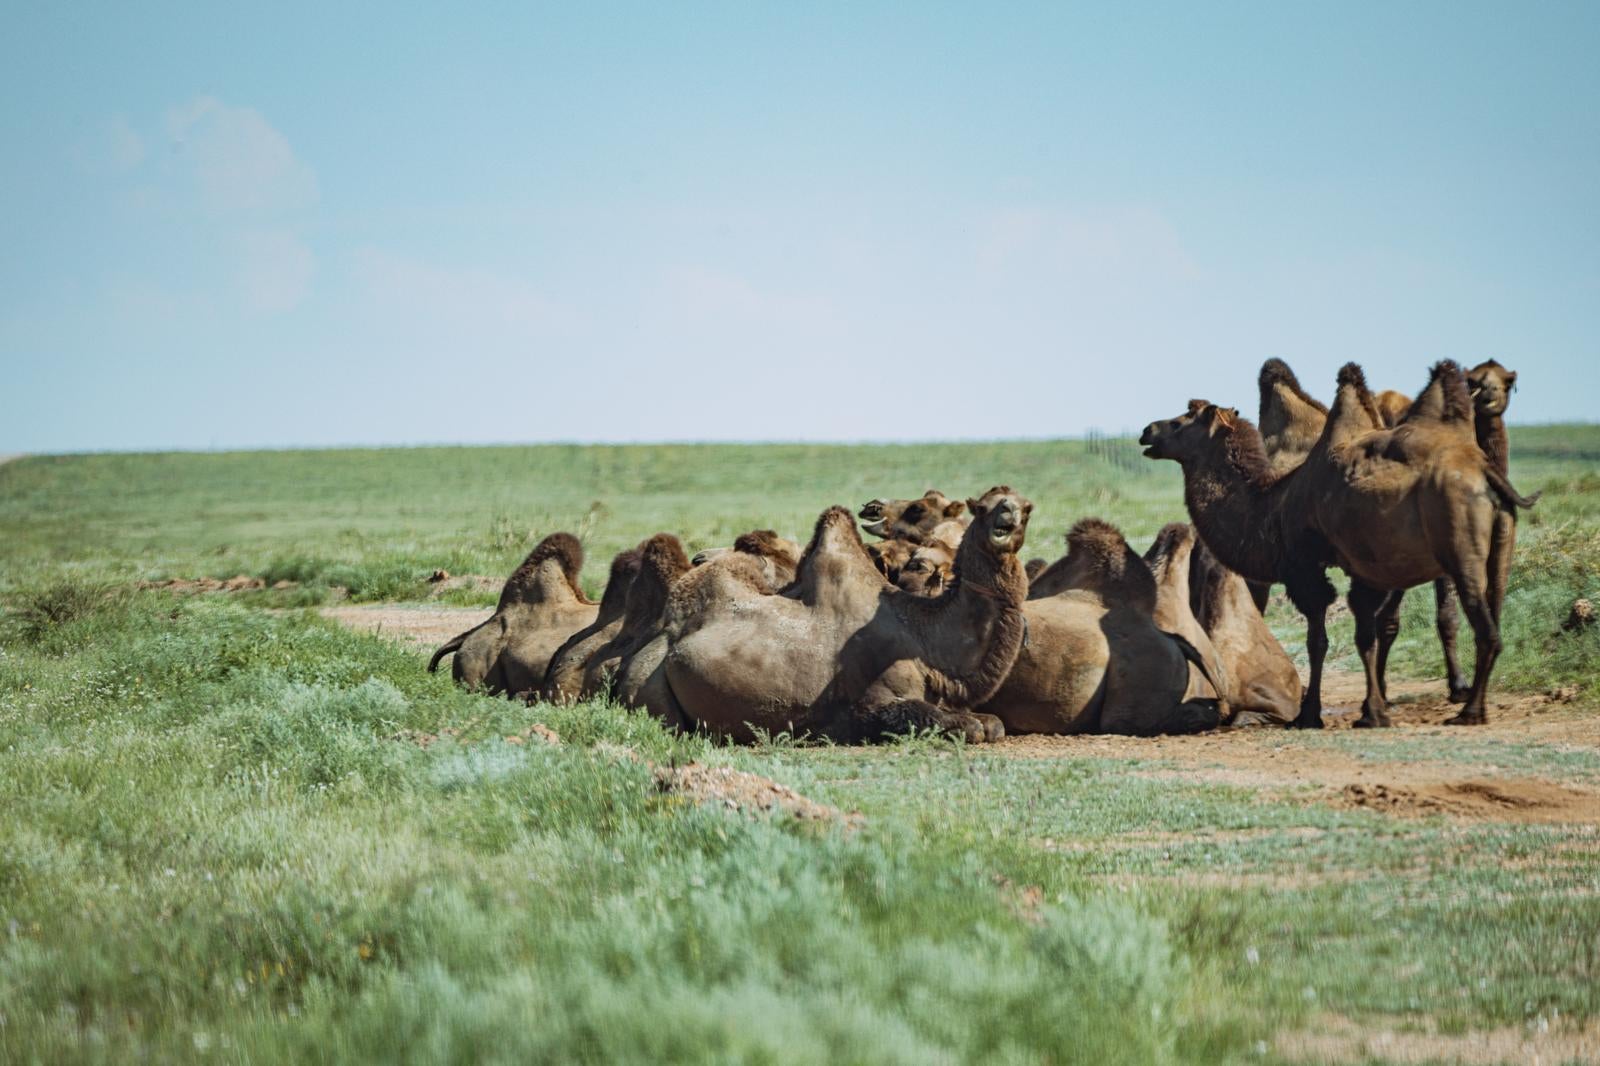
909, 519
1491, 385
928, 571
999, 520
1181, 438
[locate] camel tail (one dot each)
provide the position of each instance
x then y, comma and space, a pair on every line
1192, 653
1503, 488
449, 647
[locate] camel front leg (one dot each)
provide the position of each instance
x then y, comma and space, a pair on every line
1311, 592
1446, 620
1368, 605
903, 717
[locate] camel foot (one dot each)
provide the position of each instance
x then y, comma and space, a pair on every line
980, 728
1372, 721
1307, 720
1252, 719
1468, 718
1460, 694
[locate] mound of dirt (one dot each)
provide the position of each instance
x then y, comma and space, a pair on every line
747, 793
192, 585
1505, 799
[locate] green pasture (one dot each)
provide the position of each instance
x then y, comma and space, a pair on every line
217, 844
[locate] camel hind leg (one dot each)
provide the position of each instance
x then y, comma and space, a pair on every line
1482, 595
1446, 618
1190, 716
1371, 608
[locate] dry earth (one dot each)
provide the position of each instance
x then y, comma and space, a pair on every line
1274, 760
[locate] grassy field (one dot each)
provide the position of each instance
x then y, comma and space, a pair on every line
223, 840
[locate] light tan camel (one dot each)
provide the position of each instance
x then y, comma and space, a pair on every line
842, 654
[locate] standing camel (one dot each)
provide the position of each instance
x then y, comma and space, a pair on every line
1297, 419
1393, 508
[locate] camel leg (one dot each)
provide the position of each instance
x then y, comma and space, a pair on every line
1446, 620
1482, 603
1260, 592
907, 716
1191, 716
1312, 592
1388, 633
1367, 603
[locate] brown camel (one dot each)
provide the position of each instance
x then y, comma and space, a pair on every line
1170, 561
540, 606
563, 679
1264, 684
760, 562
1490, 385
1095, 661
662, 561
1393, 508
842, 654
932, 564
911, 520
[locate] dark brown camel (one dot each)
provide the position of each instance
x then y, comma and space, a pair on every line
1393, 508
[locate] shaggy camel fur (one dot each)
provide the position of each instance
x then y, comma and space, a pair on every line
1489, 384
760, 562
842, 654
564, 678
662, 561
932, 564
1095, 661
1392, 507
1264, 684
540, 606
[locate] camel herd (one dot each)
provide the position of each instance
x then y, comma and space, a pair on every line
938, 624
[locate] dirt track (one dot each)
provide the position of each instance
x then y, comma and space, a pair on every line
1275, 760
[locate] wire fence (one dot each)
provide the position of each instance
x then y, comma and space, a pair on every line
1120, 451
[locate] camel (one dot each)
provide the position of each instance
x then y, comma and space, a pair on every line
760, 562
1095, 660
540, 606
911, 520
1393, 508
662, 561
1489, 384
564, 678
932, 563
1263, 686
842, 654
1169, 560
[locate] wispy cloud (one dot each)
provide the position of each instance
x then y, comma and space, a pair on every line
239, 161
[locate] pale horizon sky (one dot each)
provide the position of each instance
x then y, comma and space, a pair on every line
312, 226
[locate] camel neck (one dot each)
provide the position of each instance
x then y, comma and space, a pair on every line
1234, 516
1492, 439
973, 632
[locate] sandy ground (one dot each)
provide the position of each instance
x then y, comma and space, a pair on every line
1277, 761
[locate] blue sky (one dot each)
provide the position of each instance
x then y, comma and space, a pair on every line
377, 224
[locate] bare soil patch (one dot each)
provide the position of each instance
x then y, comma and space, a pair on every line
418, 626
1500, 800
1340, 1039
748, 793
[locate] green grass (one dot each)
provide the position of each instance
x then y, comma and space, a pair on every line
214, 846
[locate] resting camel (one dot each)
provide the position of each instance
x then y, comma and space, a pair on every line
932, 563
1169, 559
564, 678
842, 654
1262, 684
1095, 661
1393, 508
540, 606
1284, 403
911, 520
760, 562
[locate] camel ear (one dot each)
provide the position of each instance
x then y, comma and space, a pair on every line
1511, 380
975, 507
954, 509
1226, 416
1027, 509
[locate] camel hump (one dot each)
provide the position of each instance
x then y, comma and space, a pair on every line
762, 542
1445, 398
661, 563
1175, 539
1351, 374
1275, 374
561, 548
1101, 554
624, 567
